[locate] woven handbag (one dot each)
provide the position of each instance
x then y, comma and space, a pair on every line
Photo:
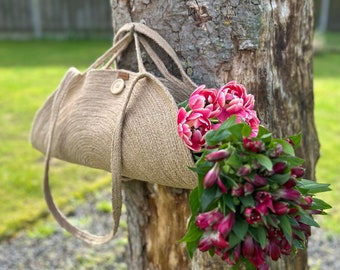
117, 120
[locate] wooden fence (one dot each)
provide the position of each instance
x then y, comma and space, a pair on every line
22, 19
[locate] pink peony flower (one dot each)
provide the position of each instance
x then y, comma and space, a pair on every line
192, 126
234, 100
203, 98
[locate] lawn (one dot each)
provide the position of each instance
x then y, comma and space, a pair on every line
30, 71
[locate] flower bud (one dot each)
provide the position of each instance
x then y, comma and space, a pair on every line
218, 240
222, 187
244, 170
211, 177
248, 247
208, 219
226, 224
237, 190
279, 167
277, 151
288, 194
297, 171
280, 208
217, 156
248, 189
259, 181
205, 244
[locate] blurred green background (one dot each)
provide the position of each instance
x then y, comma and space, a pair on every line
29, 72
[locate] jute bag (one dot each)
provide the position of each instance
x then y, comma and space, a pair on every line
120, 121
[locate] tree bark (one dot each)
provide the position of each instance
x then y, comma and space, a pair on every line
265, 45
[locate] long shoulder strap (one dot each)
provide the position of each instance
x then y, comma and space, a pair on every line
71, 77
160, 41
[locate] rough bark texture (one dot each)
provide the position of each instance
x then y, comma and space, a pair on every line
265, 45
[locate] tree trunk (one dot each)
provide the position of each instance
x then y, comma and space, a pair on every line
265, 45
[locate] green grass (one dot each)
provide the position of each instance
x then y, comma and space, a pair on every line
30, 71
327, 111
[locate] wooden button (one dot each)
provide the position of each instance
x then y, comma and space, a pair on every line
117, 86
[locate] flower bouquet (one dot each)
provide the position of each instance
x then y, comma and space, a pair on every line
251, 201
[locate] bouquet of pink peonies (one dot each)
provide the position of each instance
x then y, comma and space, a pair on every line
251, 201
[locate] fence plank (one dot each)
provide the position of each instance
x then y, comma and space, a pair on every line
55, 18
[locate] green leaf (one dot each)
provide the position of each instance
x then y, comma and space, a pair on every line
247, 201
299, 244
233, 240
240, 228
234, 160
294, 161
263, 133
300, 234
229, 202
238, 130
308, 220
191, 248
296, 139
214, 137
280, 178
183, 104
264, 161
209, 196
287, 147
246, 131
194, 201
313, 187
193, 233
320, 204
231, 121
286, 227
259, 234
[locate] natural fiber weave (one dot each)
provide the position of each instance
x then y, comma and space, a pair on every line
118, 121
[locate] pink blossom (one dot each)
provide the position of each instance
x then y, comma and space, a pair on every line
252, 215
192, 126
234, 100
264, 200
203, 98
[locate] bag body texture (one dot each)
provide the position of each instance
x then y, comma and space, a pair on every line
116, 120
